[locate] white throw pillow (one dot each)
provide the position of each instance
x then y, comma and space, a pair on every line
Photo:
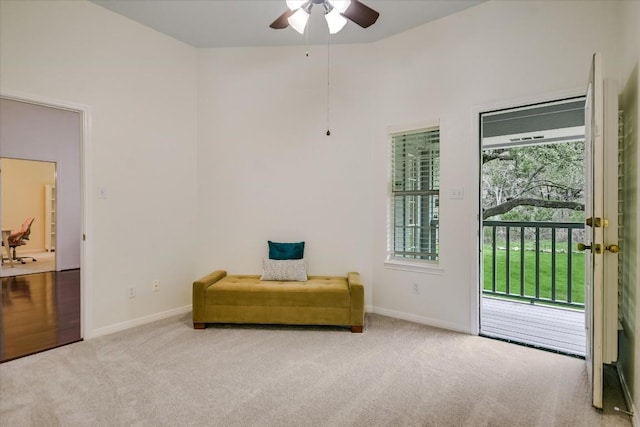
284, 270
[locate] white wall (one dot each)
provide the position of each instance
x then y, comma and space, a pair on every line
630, 86
140, 89
267, 170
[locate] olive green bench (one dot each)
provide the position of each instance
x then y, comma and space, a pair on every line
321, 300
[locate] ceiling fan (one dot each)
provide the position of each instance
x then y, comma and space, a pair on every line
336, 12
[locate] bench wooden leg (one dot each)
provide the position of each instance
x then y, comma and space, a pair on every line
356, 329
199, 325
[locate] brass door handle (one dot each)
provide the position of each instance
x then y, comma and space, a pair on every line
614, 249
582, 247
597, 248
597, 222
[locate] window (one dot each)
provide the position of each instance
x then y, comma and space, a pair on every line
415, 171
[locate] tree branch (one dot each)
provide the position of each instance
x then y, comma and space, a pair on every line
500, 154
548, 184
513, 203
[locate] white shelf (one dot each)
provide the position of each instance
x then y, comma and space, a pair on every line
50, 218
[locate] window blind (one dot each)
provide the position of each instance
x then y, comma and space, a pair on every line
415, 160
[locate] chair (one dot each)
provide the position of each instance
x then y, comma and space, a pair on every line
18, 238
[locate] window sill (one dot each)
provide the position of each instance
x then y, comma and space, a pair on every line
418, 267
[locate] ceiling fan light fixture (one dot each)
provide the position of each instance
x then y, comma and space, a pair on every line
295, 4
298, 20
337, 13
340, 5
335, 21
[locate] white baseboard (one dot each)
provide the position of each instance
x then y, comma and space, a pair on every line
635, 419
138, 322
418, 319
187, 308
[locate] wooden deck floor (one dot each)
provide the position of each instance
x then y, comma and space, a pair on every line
551, 328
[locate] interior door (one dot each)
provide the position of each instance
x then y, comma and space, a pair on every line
601, 230
593, 229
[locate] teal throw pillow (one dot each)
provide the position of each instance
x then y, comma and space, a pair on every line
283, 251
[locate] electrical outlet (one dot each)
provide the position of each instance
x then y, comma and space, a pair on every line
415, 288
155, 285
132, 292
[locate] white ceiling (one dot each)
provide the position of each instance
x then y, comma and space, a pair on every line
235, 23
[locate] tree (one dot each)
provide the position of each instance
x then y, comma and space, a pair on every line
534, 183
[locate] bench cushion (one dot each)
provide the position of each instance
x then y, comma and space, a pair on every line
318, 291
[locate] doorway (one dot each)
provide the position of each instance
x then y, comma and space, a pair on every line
532, 192
47, 309
28, 200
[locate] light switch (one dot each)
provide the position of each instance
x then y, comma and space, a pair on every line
102, 193
457, 193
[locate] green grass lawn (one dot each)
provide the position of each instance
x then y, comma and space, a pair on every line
577, 273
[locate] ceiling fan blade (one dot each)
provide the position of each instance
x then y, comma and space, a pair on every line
361, 14
282, 22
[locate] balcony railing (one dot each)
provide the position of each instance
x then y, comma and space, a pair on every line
534, 261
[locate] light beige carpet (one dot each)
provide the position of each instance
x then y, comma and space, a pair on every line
396, 373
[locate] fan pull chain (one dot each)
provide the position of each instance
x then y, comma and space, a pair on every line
328, 84
306, 37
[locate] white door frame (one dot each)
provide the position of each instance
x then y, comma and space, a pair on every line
85, 199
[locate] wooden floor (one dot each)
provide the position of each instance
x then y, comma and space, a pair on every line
39, 312
557, 329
